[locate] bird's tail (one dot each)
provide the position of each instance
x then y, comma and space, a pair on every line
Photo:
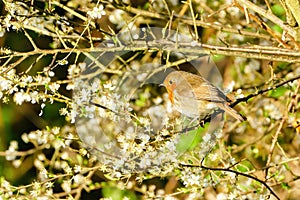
232, 112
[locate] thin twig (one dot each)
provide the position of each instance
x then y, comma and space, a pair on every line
235, 172
245, 99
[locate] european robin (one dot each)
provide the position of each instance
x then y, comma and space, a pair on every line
194, 96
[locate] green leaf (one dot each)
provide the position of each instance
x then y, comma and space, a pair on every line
278, 92
277, 28
242, 168
278, 10
285, 186
115, 193
190, 140
217, 58
287, 166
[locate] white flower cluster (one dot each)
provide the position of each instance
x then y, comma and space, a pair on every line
26, 88
251, 68
159, 5
117, 17
7, 86
273, 111
17, 17
194, 177
58, 138
87, 97
12, 149
97, 12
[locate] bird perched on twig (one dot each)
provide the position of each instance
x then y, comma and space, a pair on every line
194, 96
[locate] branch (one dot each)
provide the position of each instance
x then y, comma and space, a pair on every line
245, 99
257, 52
235, 172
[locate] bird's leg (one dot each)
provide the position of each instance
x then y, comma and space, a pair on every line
202, 123
203, 120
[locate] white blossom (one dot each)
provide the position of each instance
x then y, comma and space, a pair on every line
97, 12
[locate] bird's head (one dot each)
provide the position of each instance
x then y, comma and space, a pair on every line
170, 83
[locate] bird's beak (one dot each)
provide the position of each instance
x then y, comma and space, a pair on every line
160, 85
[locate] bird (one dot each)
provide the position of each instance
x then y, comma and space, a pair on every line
194, 96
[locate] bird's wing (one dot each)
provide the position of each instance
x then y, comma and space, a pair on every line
207, 90
210, 93
185, 90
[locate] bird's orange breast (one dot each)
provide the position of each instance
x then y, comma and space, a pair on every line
171, 95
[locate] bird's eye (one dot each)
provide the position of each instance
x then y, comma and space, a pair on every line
171, 82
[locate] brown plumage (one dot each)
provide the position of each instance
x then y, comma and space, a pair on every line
194, 96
